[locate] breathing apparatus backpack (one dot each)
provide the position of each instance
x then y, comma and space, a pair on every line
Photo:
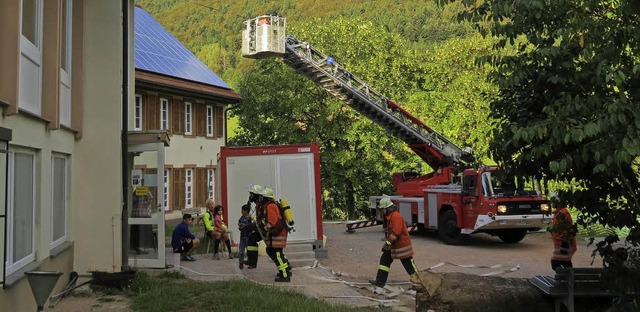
287, 214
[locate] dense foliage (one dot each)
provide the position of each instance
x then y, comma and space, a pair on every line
413, 53
568, 105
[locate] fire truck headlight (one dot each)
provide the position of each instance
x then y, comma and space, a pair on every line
502, 209
544, 208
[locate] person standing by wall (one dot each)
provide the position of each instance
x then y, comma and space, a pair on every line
397, 246
277, 241
244, 225
563, 234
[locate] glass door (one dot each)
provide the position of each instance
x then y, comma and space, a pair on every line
146, 206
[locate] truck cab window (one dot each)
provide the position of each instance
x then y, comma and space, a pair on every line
470, 184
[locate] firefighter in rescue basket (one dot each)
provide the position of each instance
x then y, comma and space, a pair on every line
397, 246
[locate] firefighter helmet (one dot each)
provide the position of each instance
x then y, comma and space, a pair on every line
255, 189
385, 203
268, 193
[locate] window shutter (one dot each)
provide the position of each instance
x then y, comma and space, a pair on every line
219, 117
169, 189
178, 188
152, 113
201, 119
201, 187
169, 115
177, 116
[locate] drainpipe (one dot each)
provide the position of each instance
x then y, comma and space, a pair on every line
226, 131
124, 141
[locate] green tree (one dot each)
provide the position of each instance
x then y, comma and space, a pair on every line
357, 161
568, 105
411, 52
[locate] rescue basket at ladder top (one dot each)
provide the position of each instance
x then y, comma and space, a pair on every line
264, 36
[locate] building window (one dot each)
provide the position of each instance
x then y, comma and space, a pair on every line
65, 64
166, 189
210, 183
164, 114
20, 210
188, 188
30, 80
137, 113
209, 120
188, 118
59, 203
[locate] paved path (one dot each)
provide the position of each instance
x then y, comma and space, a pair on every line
318, 282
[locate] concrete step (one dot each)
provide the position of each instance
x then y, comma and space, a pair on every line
300, 254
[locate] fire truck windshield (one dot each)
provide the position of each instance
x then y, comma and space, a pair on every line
496, 184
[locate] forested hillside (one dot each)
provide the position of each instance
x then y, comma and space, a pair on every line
413, 52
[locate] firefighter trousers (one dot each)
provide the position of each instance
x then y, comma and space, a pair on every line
281, 261
252, 249
385, 264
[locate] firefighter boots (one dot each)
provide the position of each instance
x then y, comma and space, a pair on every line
415, 281
376, 283
283, 279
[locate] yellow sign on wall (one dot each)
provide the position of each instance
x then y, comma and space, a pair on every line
142, 191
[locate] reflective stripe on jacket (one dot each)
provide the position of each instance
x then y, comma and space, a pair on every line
279, 239
398, 235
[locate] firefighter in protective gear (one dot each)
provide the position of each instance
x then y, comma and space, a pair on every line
563, 234
277, 241
397, 246
255, 197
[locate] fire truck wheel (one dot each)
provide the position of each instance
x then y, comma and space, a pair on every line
448, 230
512, 236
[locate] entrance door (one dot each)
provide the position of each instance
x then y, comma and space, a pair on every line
146, 202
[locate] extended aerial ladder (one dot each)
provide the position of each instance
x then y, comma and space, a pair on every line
455, 207
264, 36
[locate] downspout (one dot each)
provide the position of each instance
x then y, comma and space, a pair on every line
226, 131
125, 130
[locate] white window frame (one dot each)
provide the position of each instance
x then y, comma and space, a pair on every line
188, 188
12, 265
65, 73
30, 80
137, 113
210, 121
57, 241
210, 183
188, 118
165, 180
164, 114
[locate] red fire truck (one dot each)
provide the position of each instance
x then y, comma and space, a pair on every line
455, 199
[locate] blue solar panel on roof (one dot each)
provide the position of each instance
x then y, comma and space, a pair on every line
158, 51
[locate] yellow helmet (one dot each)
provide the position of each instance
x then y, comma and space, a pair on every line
268, 193
255, 189
385, 203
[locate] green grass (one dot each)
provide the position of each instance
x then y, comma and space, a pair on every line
171, 291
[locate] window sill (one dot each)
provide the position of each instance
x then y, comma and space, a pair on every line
74, 131
56, 251
15, 277
34, 116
